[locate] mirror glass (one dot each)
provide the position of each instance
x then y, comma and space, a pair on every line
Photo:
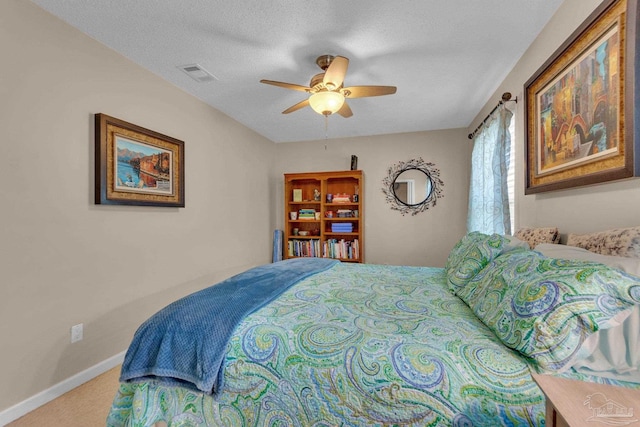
412, 187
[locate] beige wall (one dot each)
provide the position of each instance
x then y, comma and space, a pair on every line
65, 260
586, 209
390, 238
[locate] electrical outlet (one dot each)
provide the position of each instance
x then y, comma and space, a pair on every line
76, 333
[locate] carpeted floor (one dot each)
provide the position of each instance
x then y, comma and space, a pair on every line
84, 406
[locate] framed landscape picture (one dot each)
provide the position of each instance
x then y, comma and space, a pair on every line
580, 102
137, 166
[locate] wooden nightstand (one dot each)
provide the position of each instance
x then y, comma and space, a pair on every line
579, 403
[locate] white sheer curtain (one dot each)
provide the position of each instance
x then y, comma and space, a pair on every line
488, 192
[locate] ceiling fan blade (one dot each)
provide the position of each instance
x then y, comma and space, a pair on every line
364, 91
345, 111
334, 75
296, 107
286, 85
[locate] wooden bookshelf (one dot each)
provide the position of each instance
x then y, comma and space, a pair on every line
331, 228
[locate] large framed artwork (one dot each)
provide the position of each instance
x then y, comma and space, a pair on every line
137, 166
580, 105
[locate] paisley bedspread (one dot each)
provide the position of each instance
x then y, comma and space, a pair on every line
355, 345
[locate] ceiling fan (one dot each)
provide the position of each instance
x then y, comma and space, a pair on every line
327, 91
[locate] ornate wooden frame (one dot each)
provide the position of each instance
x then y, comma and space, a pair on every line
580, 105
136, 166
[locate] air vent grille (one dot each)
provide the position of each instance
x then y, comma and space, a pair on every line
197, 73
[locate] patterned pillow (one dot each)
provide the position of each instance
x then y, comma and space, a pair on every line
545, 308
472, 253
535, 236
618, 241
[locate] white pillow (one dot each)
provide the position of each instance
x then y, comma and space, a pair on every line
514, 243
614, 352
628, 265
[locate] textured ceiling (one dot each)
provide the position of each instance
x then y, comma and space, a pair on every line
446, 57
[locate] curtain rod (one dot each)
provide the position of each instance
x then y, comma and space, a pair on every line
505, 97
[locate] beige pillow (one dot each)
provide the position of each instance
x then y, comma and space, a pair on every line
618, 241
535, 236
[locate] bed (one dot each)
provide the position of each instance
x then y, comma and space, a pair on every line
344, 344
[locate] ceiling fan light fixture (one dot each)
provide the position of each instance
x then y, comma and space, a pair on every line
327, 102
327, 91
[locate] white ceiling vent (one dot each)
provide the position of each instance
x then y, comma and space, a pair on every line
197, 73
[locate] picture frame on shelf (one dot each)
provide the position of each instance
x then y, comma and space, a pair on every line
137, 166
580, 105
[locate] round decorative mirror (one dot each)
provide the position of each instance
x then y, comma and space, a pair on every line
413, 186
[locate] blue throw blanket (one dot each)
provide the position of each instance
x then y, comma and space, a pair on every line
186, 341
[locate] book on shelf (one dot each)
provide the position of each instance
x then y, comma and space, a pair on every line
345, 227
341, 198
342, 225
307, 214
297, 194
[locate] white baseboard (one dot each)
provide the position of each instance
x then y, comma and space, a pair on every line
20, 409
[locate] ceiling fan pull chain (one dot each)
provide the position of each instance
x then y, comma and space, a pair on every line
326, 130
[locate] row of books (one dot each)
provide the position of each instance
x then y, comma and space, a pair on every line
304, 248
343, 249
332, 248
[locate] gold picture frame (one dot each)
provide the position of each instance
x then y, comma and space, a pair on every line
580, 105
137, 166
